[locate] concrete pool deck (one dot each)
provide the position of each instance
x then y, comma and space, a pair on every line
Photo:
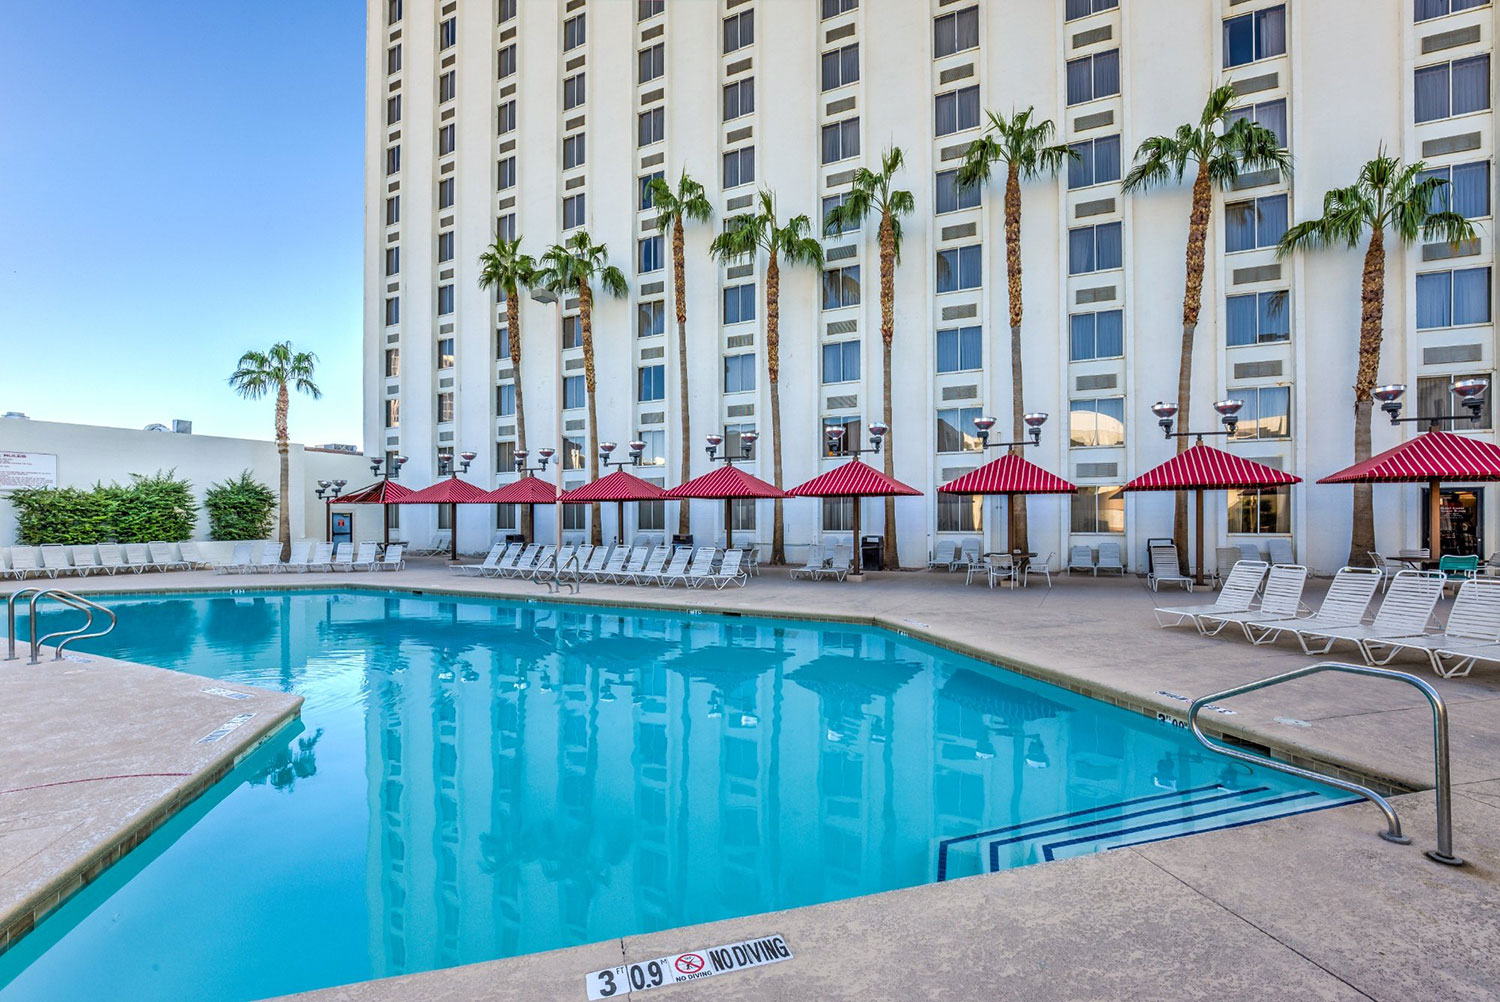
1313, 906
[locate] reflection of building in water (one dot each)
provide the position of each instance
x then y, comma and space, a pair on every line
387, 856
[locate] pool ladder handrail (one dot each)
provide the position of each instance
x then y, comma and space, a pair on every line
89, 608
555, 579
1444, 851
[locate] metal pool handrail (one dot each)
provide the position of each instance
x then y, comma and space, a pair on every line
67, 598
1444, 851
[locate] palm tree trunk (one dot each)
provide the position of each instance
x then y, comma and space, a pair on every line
513, 335
586, 328
773, 371
684, 507
1192, 301
892, 558
283, 516
1013, 288
1372, 309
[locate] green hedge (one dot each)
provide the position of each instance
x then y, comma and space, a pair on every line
149, 508
241, 508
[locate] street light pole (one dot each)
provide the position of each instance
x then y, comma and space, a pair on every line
637, 449
1470, 394
747, 447
1229, 416
1034, 422
834, 434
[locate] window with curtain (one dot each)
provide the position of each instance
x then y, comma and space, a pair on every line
1083, 8
739, 373
505, 226
1269, 115
739, 30
444, 407
572, 454
732, 433
502, 342
1095, 248
840, 66
832, 8
841, 362
393, 361
644, 8
393, 59
505, 399
651, 516
574, 210
960, 268
651, 383
956, 111
841, 140
838, 514
644, 185
739, 167
445, 353
392, 413
651, 126
1096, 161
959, 349
574, 395
1257, 35
651, 63
651, 318
831, 202
739, 98
742, 514
575, 517
1096, 335
1253, 223
955, 429
505, 516
1467, 191
392, 310
1453, 88
960, 513
827, 447
1257, 318
1098, 509
507, 59
1097, 422
573, 91
1267, 412
572, 332
955, 32
1427, 9
1435, 396
950, 197
507, 172
841, 287
575, 32
1093, 77
650, 254
505, 118
574, 151
739, 303
445, 192
1453, 298
505, 458
445, 300
1264, 511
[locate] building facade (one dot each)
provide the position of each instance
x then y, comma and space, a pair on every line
533, 118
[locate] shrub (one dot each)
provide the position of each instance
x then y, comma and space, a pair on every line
158, 507
240, 508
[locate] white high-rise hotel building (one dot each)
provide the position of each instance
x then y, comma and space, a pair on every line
533, 117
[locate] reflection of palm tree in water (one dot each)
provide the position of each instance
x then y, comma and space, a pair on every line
288, 766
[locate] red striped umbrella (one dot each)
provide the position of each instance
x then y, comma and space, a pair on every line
727, 482
382, 492
1009, 475
1430, 458
451, 492
853, 480
528, 490
1202, 468
619, 487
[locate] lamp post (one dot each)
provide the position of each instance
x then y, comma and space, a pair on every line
637, 450
1229, 416
1470, 394
331, 488
394, 472
747, 448
544, 456
834, 434
982, 426
448, 466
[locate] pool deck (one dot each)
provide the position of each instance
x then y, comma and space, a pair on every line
1313, 906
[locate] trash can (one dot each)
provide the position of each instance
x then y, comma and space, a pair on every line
514, 537
871, 549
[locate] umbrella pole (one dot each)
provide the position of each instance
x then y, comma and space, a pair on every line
1198, 542
385, 516
1435, 519
453, 532
728, 530
858, 570
620, 528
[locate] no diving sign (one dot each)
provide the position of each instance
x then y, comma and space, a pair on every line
674, 969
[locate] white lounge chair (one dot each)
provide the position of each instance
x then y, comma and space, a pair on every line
442, 540
652, 569
393, 559
1237, 595
24, 563
730, 571
701, 569
343, 557
575, 564
299, 559
55, 560
1109, 559
192, 557
546, 563
1279, 551
944, 554
83, 560
596, 562
487, 566
1165, 568
1406, 611
1343, 605
1081, 558
269, 558
322, 557
238, 562
1473, 625
612, 567
163, 559
1225, 557
1249, 551
366, 558
636, 563
819, 554
511, 566
1042, 568
841, 563
110, 559
676, 569
136, 557
1281, 599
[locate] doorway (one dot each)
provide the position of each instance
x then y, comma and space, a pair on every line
1461, 518
342, 527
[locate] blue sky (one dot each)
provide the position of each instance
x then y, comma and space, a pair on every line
179, 180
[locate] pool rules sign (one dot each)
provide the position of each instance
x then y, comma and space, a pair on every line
612, 982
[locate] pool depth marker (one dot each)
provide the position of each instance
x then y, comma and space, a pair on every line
677, 968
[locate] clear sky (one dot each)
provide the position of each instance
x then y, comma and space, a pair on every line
180, 180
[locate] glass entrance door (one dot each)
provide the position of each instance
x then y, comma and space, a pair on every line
1461, 518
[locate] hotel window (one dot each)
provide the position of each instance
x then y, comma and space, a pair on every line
445, 299
505, 226
575, 517
651, 318
505, 514
392, 159
1083, 8
1096, 335
445, 246
841, 66
651, 126
959, 349
1258, 222
573, 459
845, 443
572, 331
649, 8
393, 59
958, 513
1467, 191
739, 167
831, 202
959, 268
392, 260
950, 196
1099, 422
392, 11
1097, 161
574, 393
955, 32
505, 401
573, 94
650, 255
1267, 510
1435, 396
651, 383
393, 110
651, 63
1455, 88
445, 192
507, 60
739, 98
448, 33
1258, 318
1453, 298
1268, 115
392, 310
506, 118
393, 361
573, 210
448, 86
732, 433
647, 201
444, 408
955, 429
574, 33
1258, 35
739, 373
1267, 412
841, 362
742, 514
392, 413
1095, 248
393, 210
502, 341
739, 303
1099, 509
507, 172
841, 287
1093, 77
838, 514
956, 110
1427, 9
739, 31
445, 353
655, 452
650, 515
841, 140
447, 137
573, 151
507, 11
832, 8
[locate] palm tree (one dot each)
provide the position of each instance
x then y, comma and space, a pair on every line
503, 267
672, 207
1219, 150
872, 192
1026, 149
574, 266
281, 369
744, 236
1386, 196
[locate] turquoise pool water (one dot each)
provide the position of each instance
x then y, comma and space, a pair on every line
476, 779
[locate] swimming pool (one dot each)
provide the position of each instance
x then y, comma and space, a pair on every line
476, 778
